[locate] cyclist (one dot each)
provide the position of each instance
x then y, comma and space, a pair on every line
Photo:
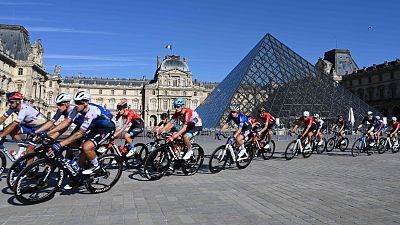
191, 125
135, 129
269, 123
164, 121
342, 126
94, 126
310, 127
320, 128
63, 109
28, 119
374, 126
243, 130
382, 127
255, 125
395, 129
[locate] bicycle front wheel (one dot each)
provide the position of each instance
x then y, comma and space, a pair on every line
38, 182
218, 159
157, 163
321, 146
355, 149
3, 162
108, 175
17, 167
192, 165
396, 148
343, 144
291, 150
267, 153
139, 158
330, 145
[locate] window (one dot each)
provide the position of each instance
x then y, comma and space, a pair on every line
391, 75
153, 104
195, 93
20, 71
50, 83
380, 77
124, 92
165, 104
112, 92
100, 91
49, 98
19, 87
175, 83
135, 104
154, 92
359, 81
369, 80
165, 92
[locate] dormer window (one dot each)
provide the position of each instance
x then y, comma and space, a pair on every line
20, 71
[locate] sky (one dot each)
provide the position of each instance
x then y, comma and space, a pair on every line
123, 38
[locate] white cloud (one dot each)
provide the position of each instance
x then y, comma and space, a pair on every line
65, 30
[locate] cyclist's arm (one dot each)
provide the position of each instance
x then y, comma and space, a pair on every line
237, 133
294, 128
2, 119
45, 126
64, 124
168, 126
75, 136
9, 129
180, 132
341, 128
264, 128
120, 130
224, 127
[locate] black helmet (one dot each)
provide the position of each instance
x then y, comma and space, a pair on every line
164, 116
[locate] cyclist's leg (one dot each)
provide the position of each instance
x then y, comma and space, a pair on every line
130, 136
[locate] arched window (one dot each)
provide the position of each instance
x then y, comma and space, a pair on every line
153, 104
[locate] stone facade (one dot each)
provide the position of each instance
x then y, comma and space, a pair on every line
21, 67
151, 98
378, 85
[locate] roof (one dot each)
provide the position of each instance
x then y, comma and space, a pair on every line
15, 41
104, 81
171, 62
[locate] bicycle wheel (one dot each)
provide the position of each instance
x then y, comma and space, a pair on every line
139, 158
108, 175
218, 159
267, 153
343, 144
320, 146
243, 163
355, 149
383, 145
38, 182
330, 145
308, 152
17, 167
157, 163
3, 162
192, 165
395, 149
291, 150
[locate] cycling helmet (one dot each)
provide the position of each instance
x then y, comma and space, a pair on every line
340, 117
370, 113
316, 115
63, 97
179, 102
377, 117
14, 96
394, 118
234, 108
164, 116
261, 109
122, 105
248, 115
82, 95
306, 113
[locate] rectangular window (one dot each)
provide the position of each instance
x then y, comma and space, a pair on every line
369, 80
50, 83
380, 77
195, 93
19, 87
112, 92
100, 91
165, 105
359, 81
124, 92
135, 104
20, 71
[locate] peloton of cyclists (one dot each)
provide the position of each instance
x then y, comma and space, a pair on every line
374, 126
310, 127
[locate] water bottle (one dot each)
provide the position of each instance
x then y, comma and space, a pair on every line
74, 165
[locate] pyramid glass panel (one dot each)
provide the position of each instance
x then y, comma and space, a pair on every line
277, 78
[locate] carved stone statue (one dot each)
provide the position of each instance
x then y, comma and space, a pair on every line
57, 70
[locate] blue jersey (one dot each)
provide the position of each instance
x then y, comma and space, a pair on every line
94, 118
241, 121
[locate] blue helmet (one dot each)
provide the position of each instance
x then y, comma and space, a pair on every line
179, 102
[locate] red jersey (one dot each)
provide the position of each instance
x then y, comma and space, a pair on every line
131, 117
190, 117
395, 125
266, 118
308, 121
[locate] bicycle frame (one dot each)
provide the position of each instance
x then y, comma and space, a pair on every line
6, 152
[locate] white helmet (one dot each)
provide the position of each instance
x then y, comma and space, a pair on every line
306, 113
370, 113
82, 95
63, 97
234, 108
377, 117
394, 118
316, 115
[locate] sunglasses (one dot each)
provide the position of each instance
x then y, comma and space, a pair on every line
177, 107
12, 101
79, 102
60, 104
233, 111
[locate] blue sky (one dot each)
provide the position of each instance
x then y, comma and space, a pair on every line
122, 38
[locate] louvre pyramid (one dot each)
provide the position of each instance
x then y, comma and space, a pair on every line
274, 76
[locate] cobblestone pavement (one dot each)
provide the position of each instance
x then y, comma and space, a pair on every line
331, 188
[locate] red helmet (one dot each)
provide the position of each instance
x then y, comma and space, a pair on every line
14, 96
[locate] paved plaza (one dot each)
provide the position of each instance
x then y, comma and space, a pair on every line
332, 188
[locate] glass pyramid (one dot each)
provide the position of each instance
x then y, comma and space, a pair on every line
274, 76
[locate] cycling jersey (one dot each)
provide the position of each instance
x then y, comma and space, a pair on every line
132, 117
28, 116
241, 121
266, 118
189, 117
58, 114
320, 123
394, 125
92, 119
308, 121
341, 123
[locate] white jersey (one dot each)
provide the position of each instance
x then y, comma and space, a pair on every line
27, 115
